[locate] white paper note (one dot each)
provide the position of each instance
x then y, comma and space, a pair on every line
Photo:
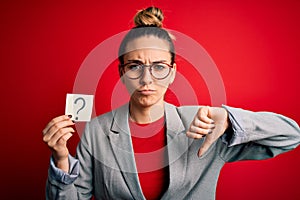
79, 106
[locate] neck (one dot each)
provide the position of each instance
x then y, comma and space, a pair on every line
145, 115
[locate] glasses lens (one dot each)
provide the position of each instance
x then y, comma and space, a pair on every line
134, 71
160, 70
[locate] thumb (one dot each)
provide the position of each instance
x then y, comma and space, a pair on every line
210, 139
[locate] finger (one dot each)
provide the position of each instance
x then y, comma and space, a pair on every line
63, 140
202, 131
54, 121
67, 136
198, 123
63, 134
56, 127
194, 135
204, 115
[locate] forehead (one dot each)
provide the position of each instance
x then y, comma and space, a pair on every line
147, 47
148, 55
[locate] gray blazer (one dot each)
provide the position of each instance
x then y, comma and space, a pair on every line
105, 166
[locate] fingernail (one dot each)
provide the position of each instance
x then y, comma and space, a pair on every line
70, 116
210, 131
73, 121
212, 122
199, 153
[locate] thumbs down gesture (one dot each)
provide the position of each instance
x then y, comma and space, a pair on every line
209, 123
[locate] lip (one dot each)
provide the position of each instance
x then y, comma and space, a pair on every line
146, 92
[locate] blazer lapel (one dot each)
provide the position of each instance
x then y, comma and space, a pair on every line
178, 144
121, 144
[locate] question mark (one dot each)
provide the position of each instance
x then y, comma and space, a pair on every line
83, 105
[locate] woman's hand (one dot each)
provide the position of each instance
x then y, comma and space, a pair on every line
209, 122
56, 134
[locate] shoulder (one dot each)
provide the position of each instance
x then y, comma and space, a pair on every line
188, 109
107, 118
183, 110
185, 114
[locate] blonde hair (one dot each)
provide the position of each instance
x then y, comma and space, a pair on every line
151, 16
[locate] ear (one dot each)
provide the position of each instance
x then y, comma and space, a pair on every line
173, 73
121, 73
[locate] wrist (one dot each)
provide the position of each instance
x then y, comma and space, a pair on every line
62, 164
227, 120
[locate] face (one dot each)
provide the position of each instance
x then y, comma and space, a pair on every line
147, 90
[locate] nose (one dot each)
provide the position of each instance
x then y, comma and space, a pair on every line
146, 77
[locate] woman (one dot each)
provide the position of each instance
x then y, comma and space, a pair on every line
141, 150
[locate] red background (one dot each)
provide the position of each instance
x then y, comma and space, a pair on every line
255, 45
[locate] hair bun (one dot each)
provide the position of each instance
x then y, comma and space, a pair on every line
151, 16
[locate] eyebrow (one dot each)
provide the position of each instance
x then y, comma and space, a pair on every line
140, 62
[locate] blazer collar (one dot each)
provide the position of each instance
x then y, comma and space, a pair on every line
120, 120
174, 123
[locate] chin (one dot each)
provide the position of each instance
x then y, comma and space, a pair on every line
147, 101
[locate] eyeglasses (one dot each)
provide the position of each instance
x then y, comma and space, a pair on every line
158, 70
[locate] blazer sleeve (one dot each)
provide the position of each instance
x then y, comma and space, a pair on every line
77, 184
257, 135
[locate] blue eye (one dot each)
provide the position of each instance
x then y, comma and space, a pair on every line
134, 67
159, 67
